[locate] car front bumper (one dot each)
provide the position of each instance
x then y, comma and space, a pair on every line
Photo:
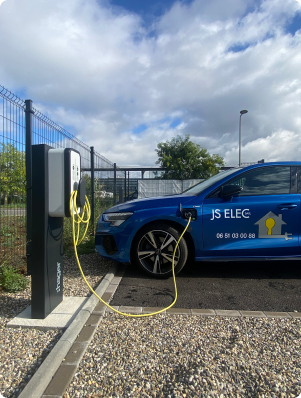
114, 243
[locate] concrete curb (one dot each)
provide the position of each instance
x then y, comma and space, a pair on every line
206, 312
39, 382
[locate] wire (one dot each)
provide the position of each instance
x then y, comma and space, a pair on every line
76, 242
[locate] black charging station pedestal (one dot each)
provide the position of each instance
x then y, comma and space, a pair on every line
47, 241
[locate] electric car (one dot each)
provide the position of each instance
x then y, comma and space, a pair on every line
245, 213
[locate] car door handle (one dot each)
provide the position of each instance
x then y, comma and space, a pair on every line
287, 206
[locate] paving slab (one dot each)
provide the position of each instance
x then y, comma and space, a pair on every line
150, 310
112, 288
99, 309
295, 314
107, 309
179, 311
86, 333
75, 353
94, 319
202, 312
227, 312
60, 318
106, 297
62, 381
259, 314
116, 280
274, 314
130, 310
51, 396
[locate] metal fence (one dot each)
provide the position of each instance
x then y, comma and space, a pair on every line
12, 177
155, 187
21, 126
137, 188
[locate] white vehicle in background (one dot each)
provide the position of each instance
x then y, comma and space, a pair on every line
105, 194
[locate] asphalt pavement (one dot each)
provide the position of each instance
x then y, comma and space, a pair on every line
249, 286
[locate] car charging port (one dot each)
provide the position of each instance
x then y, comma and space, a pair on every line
189, 213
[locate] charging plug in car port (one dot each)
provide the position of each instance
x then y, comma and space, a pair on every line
189, 213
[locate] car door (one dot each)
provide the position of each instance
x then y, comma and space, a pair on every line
262, 220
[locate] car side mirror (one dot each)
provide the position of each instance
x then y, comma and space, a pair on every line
229, 190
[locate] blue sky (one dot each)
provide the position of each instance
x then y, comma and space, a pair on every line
293, 24
146, 8
126, 75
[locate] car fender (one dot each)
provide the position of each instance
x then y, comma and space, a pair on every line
142, 219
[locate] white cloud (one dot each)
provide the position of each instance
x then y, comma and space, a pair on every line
96, 68
284, 145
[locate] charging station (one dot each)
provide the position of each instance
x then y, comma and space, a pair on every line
55, 175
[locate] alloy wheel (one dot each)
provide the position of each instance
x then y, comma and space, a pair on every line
155, 252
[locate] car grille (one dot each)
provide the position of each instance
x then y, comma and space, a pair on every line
109, 244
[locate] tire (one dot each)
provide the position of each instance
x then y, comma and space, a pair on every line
153, 247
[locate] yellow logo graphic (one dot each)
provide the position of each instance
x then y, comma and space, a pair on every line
270, 225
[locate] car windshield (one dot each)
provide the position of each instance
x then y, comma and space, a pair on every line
196, 189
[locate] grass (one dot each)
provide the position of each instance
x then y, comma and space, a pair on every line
13, 206
11, 280
13, 241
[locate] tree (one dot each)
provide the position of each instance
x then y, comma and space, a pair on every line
183, 159
12, 172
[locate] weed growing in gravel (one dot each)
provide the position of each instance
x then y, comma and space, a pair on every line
11, 280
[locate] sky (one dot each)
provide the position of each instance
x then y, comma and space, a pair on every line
124, 75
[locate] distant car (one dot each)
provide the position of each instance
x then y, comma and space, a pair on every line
240, 214
104, 194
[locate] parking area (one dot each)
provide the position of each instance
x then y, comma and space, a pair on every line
250, 286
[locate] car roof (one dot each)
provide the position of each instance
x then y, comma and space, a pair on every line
251, 166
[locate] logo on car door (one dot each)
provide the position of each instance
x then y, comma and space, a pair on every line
270, 225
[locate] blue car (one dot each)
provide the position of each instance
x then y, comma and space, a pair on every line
245, 213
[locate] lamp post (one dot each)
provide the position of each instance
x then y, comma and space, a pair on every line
239, 147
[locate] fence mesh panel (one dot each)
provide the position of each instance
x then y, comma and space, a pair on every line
13, 170
12, 178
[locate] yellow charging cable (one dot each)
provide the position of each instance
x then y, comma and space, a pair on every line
78, 219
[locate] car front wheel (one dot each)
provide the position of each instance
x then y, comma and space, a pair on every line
153, 249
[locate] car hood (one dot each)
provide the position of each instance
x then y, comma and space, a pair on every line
151, 203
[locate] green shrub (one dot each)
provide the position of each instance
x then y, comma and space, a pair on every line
11, 281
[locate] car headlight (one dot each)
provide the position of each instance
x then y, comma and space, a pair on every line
116, 219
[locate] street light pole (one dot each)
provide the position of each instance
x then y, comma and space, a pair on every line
239, 146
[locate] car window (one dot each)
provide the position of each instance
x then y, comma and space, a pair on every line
274, 180
299, 178
197, 189
294, 179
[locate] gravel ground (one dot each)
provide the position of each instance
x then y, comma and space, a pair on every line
161, 356
20, 361
191, 356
